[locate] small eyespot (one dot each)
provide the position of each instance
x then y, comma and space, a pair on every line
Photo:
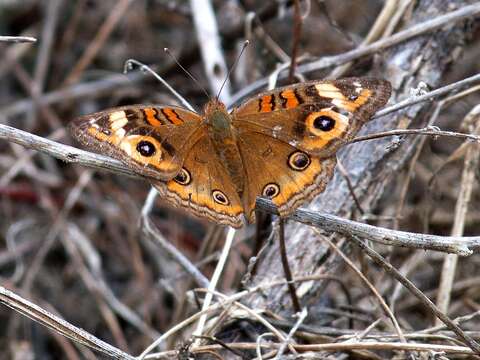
324, 123
353, 97
298, 160
146, 148
220, 197
271, 190
183, 177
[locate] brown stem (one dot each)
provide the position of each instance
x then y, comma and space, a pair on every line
286, 267
297, 31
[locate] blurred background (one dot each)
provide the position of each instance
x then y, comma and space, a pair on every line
69, 236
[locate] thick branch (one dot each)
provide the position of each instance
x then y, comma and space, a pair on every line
450, 244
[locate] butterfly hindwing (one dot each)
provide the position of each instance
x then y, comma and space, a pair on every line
281, 172
151, 140
203, 187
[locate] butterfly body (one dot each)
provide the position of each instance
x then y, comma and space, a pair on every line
279, 144
224, 141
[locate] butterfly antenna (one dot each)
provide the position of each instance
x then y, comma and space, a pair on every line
245, 44
167, 50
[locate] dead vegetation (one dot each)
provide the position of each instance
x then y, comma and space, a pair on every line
87, 246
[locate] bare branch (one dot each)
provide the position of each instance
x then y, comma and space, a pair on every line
63, 152
463, 246
429, 96
428, 131
210, 47
53, 322
18, 39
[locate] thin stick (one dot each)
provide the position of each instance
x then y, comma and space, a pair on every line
55, 323
210, 46
18, 39
297, 32
377, 258
254, 24
344, 173
301, 317
466, 188
116, 15
53, 10
215, 277
337, 347
150, 229
286, 267
428, 131
451, 244
63, 152
430, 95
388, 312
222, 344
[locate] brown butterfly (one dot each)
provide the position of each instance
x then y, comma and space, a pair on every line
280, 144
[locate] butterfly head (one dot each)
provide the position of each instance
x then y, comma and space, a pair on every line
216, 115
213, 106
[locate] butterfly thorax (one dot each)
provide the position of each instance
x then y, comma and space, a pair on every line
224, 141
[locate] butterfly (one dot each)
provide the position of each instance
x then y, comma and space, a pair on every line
280, 144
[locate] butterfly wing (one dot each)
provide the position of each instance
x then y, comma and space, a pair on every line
281, 172
316, 117
203, 187
151, 140
288, 137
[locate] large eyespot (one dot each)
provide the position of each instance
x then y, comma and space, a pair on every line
183, 177
327, 123
220, 197
146, 148
271, 190
324, 123
298, 160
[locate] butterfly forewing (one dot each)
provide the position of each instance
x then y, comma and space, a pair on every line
151, 140
316, 117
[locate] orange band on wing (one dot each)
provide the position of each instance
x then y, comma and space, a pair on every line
172, 116
266, 103
363, 97
150, 115
290, 100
